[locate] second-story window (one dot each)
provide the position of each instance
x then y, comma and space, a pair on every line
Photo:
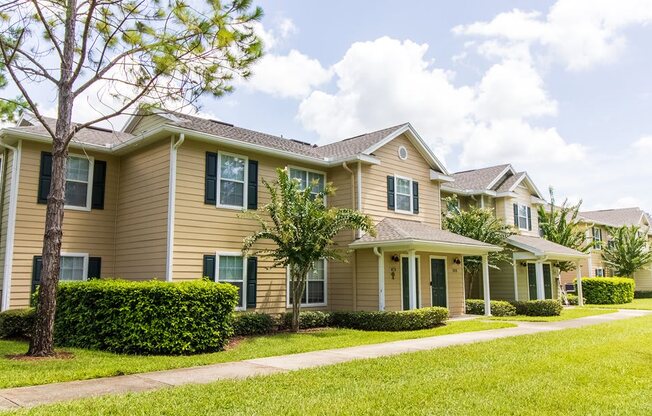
232, 173
597, 238
403, 194
78, 179
316, 180
523, 218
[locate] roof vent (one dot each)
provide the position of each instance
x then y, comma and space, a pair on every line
220, 122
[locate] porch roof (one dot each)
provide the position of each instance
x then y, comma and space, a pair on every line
392, 232
540, 247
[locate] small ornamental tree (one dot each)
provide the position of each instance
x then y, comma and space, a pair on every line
302, 229
628, 251
482, 225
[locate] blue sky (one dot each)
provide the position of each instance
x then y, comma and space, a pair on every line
561, 88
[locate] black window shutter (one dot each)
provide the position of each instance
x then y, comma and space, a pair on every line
99, 183
94, 268
210, 188
516, 215
390, 193
529, 218
37, 265
252, 186
44, 178
209, 266
252, 277
415, 197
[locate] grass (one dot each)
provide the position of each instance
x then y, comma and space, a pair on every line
571, 313
88, 364
645, 304
598, 370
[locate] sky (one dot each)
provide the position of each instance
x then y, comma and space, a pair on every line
560, 89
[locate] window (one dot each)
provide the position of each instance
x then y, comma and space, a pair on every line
316, 180
597, 238
523, 217
73, 267
78, 178
314, 294
611, 244
402, 153
403, 194
232, 171
230, 269
599, 272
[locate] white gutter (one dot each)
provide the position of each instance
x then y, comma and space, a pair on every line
359, 192
469, 249
11, 223
381, 278
171, 206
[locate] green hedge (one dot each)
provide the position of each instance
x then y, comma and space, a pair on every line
391, 321
16, 323
572, 299
547, 307
145, 317
643, 294
253, 323
498, 307
608, 290
307, 320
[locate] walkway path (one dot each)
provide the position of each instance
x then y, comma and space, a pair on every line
50, 393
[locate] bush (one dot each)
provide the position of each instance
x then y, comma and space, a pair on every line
145, 317
498, 307
253, 323
391, 321
608, 290
572, 299
16, 323
643, 294
547, 307
307, 320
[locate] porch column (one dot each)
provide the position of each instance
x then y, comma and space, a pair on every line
412, 274
514, 263
381, 277
538, 267
485, 285
580, 295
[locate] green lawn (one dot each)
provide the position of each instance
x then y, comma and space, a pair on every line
645, 304
91, 364
599, 370
572, 313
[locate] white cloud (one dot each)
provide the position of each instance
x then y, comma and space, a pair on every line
273, 36
644, 144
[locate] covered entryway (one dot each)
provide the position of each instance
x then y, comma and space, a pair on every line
532, 280
438, 282
405, 282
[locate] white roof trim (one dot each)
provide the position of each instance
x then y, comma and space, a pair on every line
530, 182
551, 254
509, 168
459, 248
436, 176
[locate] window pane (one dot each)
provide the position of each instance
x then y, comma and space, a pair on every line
312, 177
522, 211
230, 268
522, 222
301, 175
403, 186
72, 268
239, 286
403, 202
232, 167
317, 271
76, 193
315, 292
77, 169
232, 193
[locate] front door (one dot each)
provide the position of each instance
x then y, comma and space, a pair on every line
438, 282
532, 280
547, 281
405, 277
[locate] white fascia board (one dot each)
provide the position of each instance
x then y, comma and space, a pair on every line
550, 254
436, 176
455, 248
506, 195
498, 177
530, 182
537, 201
44, 138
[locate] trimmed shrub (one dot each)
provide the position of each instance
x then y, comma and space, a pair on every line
572, 299
391, 321
307, 320
253, 323
547, 307
16, 323
608, 290
498, 307
145, 317
643, 294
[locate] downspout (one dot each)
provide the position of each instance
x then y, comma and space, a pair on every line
11, 223
354, 265
381, 278
171, 205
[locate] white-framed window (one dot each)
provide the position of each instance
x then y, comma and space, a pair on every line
523, 219
597, 238
403, 194
314, 293
73, 267
402, 153
79, 180
599, 272
231, 180
308, 177
230, 268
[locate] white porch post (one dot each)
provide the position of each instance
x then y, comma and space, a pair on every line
580, 295
412, 274
485, 285
515, 279
381, 277
538, 267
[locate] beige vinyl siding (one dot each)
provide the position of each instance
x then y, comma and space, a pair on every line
7, 162
89, 232
367, 280
141, 224
374, 180
501, 282
643, 279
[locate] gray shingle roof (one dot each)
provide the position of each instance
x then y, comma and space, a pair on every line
392, 229
357, 144
91, 135
538, 245
476, 180
509, 182
615, 217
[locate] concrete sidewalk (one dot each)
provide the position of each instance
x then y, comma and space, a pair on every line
14, 398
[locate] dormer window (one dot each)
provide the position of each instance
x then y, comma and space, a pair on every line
523, 217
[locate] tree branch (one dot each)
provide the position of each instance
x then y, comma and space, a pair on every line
82, 53
47, 28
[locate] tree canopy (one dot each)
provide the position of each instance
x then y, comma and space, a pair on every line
628, 251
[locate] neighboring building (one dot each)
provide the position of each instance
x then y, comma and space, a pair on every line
514, 198
161, 200
597, 225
